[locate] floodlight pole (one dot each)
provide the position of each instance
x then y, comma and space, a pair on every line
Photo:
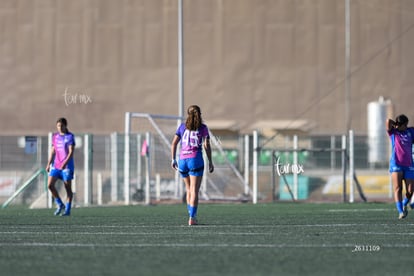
180, 62
179, 190
348, 112
348, 116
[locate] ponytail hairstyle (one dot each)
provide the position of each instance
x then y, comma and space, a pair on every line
194, 119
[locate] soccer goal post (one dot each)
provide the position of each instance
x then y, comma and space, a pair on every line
151, 142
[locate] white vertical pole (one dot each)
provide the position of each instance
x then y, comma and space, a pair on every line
148, 171
87, 170
344, 166
205, 176
246, 164
99, 186
351, 166
255, 157
74, 184
333, 153
179, 186
348, 64
114, 167
391, 189
39, 161
139, 162
158, 186
295, 162
180, 60
49, 148
127, 157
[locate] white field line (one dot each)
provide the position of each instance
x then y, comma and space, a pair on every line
204, 245
185, 233
131, 233
360, 210
261, 226
368, 233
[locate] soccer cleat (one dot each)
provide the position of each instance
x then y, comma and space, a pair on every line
66, 214
192, 221
59, 209
402, 215
67, 209
405, 211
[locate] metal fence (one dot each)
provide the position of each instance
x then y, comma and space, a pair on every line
320, 159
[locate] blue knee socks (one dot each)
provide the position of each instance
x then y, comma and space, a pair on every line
58, 202
399, 206
405, 201
192, 211
68, 207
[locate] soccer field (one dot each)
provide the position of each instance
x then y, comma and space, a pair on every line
233, 239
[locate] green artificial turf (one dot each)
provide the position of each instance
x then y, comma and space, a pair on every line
232, 239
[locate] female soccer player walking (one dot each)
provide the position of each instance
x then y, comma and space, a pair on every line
61, 165
194, 135
401, 161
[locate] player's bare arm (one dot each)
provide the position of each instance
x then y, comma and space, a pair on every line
174, 144
207, 148
390, 124
50, 160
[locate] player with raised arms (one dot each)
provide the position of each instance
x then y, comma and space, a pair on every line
194, 135
401, 161
61, 165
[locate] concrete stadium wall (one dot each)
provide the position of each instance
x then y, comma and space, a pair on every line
245, 60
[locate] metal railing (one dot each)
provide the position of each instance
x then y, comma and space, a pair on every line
26, 184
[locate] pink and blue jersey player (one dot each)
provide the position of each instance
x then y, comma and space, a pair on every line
401, 161
191, 155
61, 165
194, 135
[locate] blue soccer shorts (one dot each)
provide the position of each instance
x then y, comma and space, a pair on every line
408, 172
65, 175
191, 166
